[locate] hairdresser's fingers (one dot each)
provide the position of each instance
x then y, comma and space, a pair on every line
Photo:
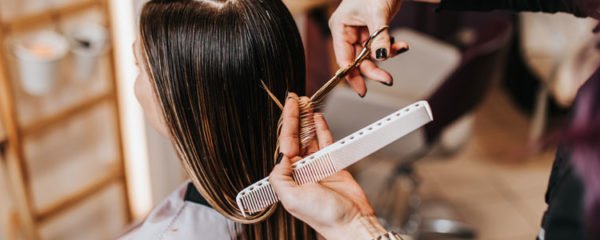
357, 82
312, 147
380, 48
344, 37
399, 48
322, 129
370, 70
288, 136
343, 183
383, 11
282, 172
282, 182
307, 127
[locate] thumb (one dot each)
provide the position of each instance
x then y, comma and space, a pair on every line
281, 175
282, 182
380, 47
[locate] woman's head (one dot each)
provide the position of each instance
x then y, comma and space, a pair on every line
202, 63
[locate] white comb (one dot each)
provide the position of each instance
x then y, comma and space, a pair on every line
340, 155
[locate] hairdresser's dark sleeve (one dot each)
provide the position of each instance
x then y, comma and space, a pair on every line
580, 8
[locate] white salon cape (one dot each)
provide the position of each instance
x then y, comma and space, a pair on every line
178, 217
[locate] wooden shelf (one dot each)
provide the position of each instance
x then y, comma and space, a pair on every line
24, 23
68, 202
30, 217
66, 114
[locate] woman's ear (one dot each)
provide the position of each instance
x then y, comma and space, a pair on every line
144, 93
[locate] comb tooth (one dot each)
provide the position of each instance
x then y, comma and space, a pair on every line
326, 168
261, 201
330, 166
317, 171
321, 170
303, 174
327, 165
313, 172
244, 206
249, 203
307, 174
254, 202
246, 203
273, 196
269, 196
258, 200
305, 178
297, 176
264, 198
300, 176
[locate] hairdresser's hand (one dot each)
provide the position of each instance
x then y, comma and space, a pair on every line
351, 25
336, 207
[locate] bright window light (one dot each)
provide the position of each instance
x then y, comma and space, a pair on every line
132, 117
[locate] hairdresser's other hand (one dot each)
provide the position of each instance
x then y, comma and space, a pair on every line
351, 24
336, 206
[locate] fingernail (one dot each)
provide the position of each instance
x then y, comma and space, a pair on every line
381, 53
387, 84
362, 96
291, 95
279, 157
392, 40
402, 50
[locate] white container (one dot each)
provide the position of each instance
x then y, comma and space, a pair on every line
88, 44
38, 58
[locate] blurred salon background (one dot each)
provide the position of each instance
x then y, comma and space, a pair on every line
79, 161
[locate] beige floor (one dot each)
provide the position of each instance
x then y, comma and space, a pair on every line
492, 183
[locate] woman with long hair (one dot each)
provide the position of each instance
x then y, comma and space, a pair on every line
202, 64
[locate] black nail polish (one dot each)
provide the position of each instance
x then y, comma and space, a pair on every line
279, 157
392, 40
387, 84
402, 50
381, 53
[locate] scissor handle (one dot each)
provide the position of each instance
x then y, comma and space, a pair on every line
341, 73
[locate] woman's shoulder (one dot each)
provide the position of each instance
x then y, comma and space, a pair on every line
184, 214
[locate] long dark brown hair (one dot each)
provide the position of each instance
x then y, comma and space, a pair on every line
207, 59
